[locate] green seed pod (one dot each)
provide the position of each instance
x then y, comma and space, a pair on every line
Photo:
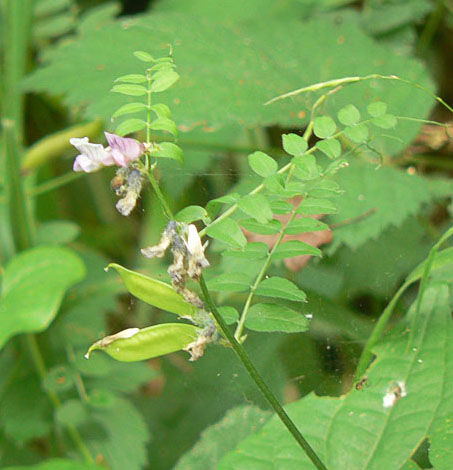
153, 292
134, 344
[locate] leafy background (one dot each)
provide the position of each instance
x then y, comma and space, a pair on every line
232, 58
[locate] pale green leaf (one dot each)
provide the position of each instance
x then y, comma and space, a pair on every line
164, 124
272, 317
281, 288
314, 206
143, 56
230, 282
256, 206
376, 109
72, 413
330, 147
229, 232
161, 110
270, 228
324, 126
254, 250
357, 133
293, 248
129, 126
164, 80
305, 224
281, 207
306, 167
349, 115
262, 164
27, 304
132, 78
129, 108
294, 144
190, 214
130, 90
386, 121
169, 150
229, 314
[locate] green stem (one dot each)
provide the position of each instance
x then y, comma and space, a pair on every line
267, 262
41, 369
54, 183
160, 196
256, 377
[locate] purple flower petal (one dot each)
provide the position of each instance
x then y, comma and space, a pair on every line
124, 149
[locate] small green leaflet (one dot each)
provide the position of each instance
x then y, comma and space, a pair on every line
254, 250
272, 317
132, 78
305, 224
229, 314
164, 80
294, 144
349, 115
262, 164
164, 124
282, 288
281, 207
386, 121
169, 150
130, 90
357, 133
377, 108
230, 282
190, 214
129, 108
229, 232
324, 188
313, 206
324, 127
144, 56
271, 228
330, 147
306, 167
129, 126
293, 248
256, 206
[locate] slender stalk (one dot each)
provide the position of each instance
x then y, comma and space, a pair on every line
259, 277
165, 207
256, 377
54, 183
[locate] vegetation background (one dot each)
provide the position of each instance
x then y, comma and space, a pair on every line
60, 57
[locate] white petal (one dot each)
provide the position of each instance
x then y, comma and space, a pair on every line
83, 163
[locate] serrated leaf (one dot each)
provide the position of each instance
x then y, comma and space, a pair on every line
270, 228
330, 147
294, 144
254, 250
169, 150
129, 126
281, 288
357, 133
130, 90
262, 164
385, 121
324, 127
27, 304
385, 421
304, 225
229, 232
164, 124
315, 206
229, 314
272, 317
257, 206
222, 437
377, 109
132, 78
306, 167
129, 108
293, 248
190, 214
349, 115
230, 282
387, 195
164, 80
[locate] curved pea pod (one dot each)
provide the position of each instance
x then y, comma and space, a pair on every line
136, 344
154, 292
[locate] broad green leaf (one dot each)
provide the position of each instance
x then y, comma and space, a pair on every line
386, 121
378, 198
357, 133
169, 150
305, 224
272, 317
228, 231
314, 206
306, 167
132, 78
256, 206
349, 115
282, 288
164, 80
129, 108
330, 147
377, 109
222, 437
129, 126
190, 214
144, 56
56, 464
281, 207
230, 282
442, 264
71, 413
254, 250
130, 90
293, 248
262, 164
164, 124
324, 127
136, 344
229, 314
270, 228
385, 421
56, 232
154, 292
27, 304
294, 144
86, 78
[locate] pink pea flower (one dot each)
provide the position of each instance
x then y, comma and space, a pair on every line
124, 149
92, 156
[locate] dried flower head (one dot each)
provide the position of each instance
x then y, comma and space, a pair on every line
128, 184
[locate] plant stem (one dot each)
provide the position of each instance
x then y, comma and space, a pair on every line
256, 377
54, 183
241, 323
160, 196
